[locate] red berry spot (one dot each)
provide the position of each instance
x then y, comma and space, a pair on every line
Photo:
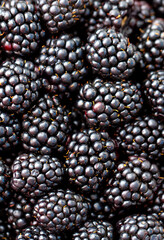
8, 47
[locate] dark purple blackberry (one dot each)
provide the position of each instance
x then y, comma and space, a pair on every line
59, 15
5, 176
135, 182
154, 92
61, 62
106, 14
19, 85
111, 54
158, 205
100, 208
146, 227
144, 137
151, 46
97, 230
90, 158
19, 212
5, 233
45, 126
109, 104
20, 27
36, 233
9, 131
159, 6
61, 210
33, 175
141, 15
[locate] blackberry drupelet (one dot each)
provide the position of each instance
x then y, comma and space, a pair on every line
135, 182
19, 85
141, 15
90, 159
154, 92
5, 233
59, 15
5, 176
19, 212
20, 27
159, 6
61, 210
45, 126
158, 204
110, 54
143, 137
9, 131
140, 227
109, 104
61, 62
98, 230
36, 233
34, 176
151, 45
107, 14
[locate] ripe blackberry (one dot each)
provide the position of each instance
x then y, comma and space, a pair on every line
5, 175
111, 54
90, 158
144, 137
33, 176
107, 14
151, 46
141, 15
19, 85
5, 233
36, 233
61, 210
109, 104
19, 212
20, 27
45, 126
59, 15
158, 205
99, 230
140, 227
154, 92
159, 6
61, 62
134, 183
9, 131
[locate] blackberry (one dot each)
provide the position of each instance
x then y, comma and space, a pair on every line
59, 15
134, 183
107, 14
33, 176
110, 54
109, 104
140, 226
45, 126
61, 210
90, 158
141, 15
19, 85
19, 212
158, 205
143, 137
9, 131
5, 175
151, 46
5, 233
100, 208
154, 92
61, 62
36, 233
20, 27
159, 6
99, 230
